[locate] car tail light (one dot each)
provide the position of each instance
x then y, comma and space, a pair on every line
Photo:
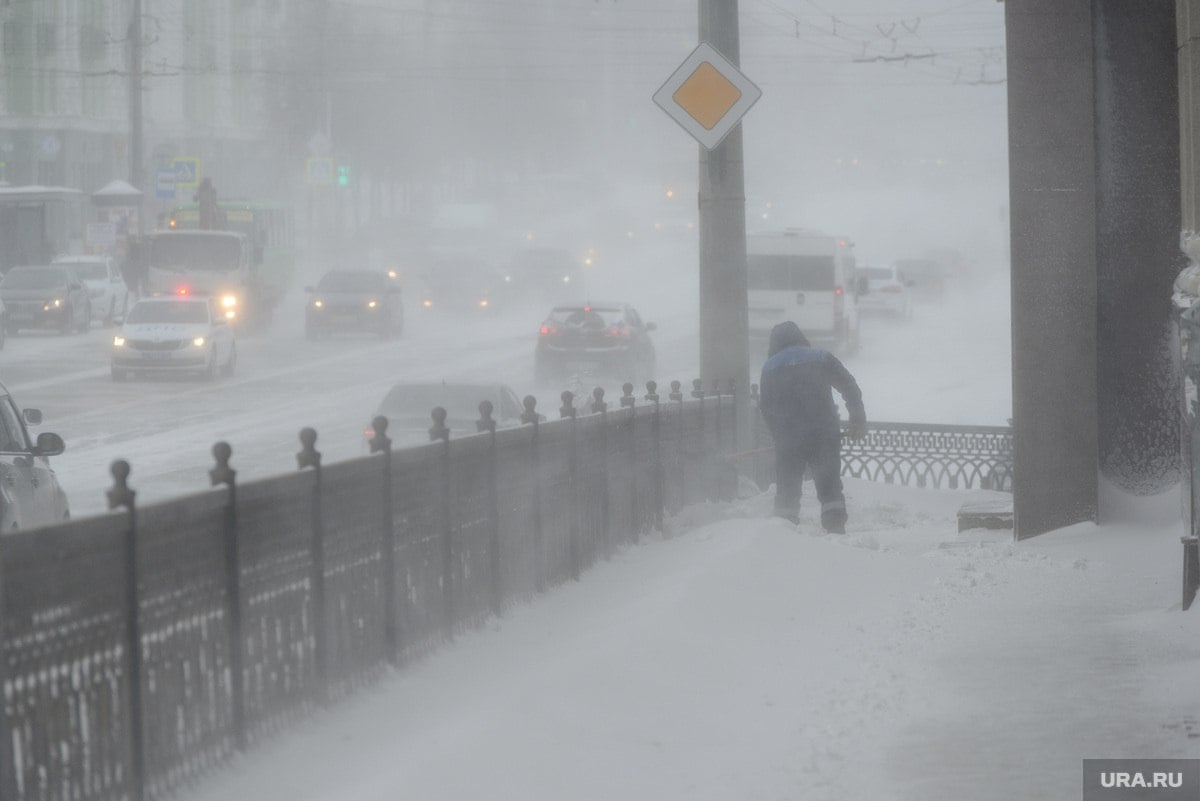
618, 331
839, 306
547, 330
369, 433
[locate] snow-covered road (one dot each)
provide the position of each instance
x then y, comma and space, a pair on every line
949, 364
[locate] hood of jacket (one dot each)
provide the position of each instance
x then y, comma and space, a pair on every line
784, 336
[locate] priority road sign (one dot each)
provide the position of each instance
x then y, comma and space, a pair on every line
187, 171
707, 95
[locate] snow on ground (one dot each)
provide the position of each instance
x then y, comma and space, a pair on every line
739, 658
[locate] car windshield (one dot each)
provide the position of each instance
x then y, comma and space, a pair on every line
790, 273
34, 278
417, 401
348, 281
181, 250
169, 311
876, 273
587, 317
90, 270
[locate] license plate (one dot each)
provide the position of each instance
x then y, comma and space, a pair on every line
157, 356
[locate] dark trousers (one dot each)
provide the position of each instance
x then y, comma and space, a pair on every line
824, 460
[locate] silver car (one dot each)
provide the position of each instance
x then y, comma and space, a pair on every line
30, 495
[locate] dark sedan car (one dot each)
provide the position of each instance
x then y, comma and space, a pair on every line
354, 300
603, 339
45, 297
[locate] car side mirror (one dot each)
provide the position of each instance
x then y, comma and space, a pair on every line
651, 327
862, 286
32, 416
49, 444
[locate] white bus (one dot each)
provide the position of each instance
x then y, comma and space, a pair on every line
807, 277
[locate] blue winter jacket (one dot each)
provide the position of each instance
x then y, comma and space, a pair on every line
796, 391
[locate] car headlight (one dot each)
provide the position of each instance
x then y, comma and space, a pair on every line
483, 304
229, 301
118, 341
318, 304
427, 304
199, 342
230, 314
52, 304
566, 279
372, 304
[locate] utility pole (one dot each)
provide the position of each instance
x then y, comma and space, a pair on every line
135, 103
724, 316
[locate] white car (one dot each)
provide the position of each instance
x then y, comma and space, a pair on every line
106, 288
887, 291
174, 333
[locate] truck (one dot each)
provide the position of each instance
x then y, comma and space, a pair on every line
217, 263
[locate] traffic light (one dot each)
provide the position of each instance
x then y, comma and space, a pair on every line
343, 175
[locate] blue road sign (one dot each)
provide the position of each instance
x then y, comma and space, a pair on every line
164, 183
187, 171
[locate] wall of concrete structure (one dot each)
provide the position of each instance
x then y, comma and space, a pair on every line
1052, 165
1137, 255
1094, 154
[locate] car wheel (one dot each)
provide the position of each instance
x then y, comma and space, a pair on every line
119, 375
86, 322
68, 323
3, 334
231, 363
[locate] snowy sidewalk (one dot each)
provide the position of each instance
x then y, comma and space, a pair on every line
743, 660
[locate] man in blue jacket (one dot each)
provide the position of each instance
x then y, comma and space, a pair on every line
797, 404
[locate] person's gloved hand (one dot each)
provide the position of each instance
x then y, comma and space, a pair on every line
857, 430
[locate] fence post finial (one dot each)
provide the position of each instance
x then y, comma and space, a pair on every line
627, 399
754, 394
308, 456
222, 473
485, 421
530, 414
652, 391
598, 404
120, 494
676, 391
716, 387
438, 430
731, 387
379, 441
568, 404
697, 389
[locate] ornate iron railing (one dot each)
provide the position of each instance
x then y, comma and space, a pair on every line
913, 454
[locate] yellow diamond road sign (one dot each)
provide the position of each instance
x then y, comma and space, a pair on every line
707, 95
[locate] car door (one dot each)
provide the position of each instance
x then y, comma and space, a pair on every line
77, 294
19, 482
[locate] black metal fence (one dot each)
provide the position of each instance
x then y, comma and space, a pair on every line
143, 647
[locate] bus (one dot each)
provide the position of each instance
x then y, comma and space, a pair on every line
270, 232
38, 223
807, 277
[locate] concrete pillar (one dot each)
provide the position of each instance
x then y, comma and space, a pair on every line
1093, 155
1052, 167
1138, 256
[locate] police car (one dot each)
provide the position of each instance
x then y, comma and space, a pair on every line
183, 332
